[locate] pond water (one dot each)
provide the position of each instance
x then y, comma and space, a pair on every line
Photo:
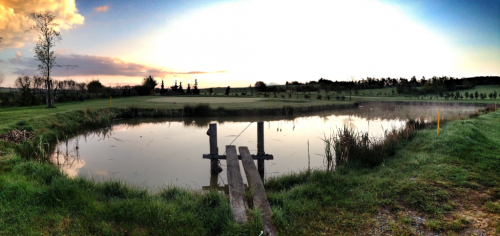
155, 153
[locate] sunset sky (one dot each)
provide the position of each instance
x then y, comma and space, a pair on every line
237, 43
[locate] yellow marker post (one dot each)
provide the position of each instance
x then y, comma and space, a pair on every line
439, 114
109, 101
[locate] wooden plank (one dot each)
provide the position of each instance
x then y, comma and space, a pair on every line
237, 197
255, 157
258, 192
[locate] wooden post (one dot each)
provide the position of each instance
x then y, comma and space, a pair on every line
260, 147
214, 150
439, 116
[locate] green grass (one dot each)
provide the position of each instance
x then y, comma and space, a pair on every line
440, 178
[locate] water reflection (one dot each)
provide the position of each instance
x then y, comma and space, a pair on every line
158, 152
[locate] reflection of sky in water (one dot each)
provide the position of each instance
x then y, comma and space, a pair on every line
170, 152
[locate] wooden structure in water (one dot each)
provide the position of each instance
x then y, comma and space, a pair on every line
236, 188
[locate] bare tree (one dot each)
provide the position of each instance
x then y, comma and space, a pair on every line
47, 39
2, 78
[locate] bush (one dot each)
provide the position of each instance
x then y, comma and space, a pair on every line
202, 109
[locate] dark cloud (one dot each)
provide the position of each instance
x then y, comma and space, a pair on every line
97, 65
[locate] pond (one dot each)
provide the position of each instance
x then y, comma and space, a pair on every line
155, 153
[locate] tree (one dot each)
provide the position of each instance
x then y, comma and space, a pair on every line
149, 83
94, 86
175, 87
227, 90
476, 95
495, 94
189, 89
162, 88
196, 91
211, 91
47, 39
466, 94
2, 77
261, 86
180, 88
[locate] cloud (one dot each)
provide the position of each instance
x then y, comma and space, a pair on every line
97, 65
14, 18
18, 53
101, 9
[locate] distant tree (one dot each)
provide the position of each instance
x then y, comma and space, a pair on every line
23, 84
495, 94
162, 87
490, 95
476, 95
180, 88
196, 91
2, 78
94, 86
188, 89
466, 94
175, 87
227, 90
211, 90
261, 86
471, 95
149, 83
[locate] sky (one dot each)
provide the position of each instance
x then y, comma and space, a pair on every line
236, 43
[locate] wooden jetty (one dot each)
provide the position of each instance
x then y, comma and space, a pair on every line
254, 174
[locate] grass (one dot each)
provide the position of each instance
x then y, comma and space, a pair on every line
444, 184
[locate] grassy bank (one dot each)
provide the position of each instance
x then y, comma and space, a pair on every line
447, 184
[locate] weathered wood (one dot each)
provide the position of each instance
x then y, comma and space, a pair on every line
260, 167
258, 192
260, 147
214, 150
237, 198
255, 157
260, 138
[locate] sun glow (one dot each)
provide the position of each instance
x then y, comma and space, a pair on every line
287, 40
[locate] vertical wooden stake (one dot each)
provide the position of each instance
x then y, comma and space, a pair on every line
214, 150
260, 147
439, 116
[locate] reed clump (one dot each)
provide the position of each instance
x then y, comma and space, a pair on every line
346, 145
202, 109
97, 117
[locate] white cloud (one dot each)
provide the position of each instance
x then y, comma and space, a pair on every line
14, 19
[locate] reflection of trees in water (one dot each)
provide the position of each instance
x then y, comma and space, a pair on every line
67, 161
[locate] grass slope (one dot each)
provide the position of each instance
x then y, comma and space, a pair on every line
443, 184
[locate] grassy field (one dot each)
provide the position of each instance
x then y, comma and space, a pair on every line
10, 116
446, 184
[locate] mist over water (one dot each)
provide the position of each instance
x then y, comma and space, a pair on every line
158, 152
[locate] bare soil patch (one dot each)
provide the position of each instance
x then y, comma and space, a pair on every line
208, 100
